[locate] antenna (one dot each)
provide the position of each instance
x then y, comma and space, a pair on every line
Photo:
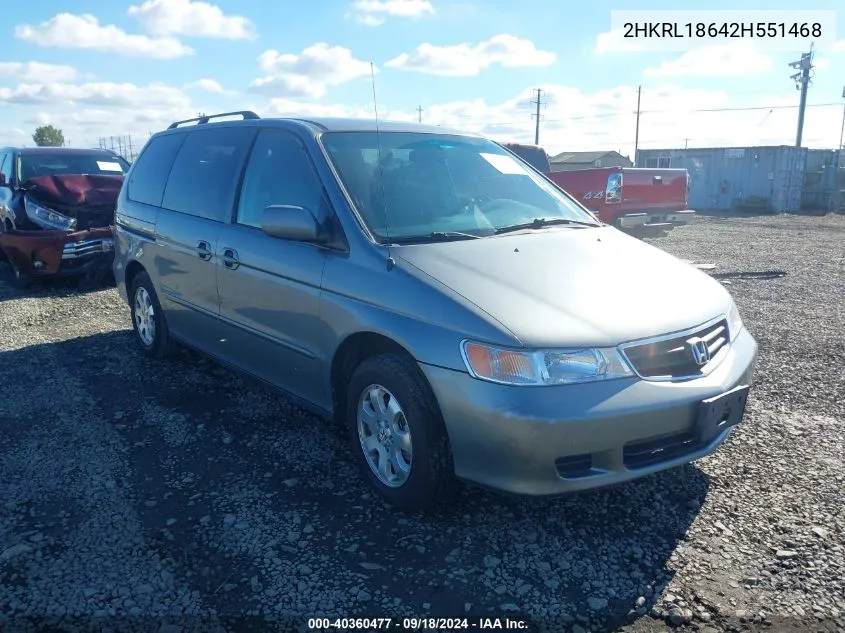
390, 262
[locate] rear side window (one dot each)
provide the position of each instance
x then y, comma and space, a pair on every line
206, 172
149, 175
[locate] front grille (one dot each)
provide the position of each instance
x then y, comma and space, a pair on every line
88, 216
645, 453
670, 357
83, 248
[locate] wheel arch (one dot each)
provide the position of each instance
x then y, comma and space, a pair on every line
133, 268
352, 351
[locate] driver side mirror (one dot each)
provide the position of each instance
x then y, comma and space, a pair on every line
3, 182
290, 222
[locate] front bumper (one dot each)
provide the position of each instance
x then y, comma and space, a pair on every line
58, 253
533, 440
654, 219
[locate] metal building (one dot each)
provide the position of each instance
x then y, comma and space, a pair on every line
751, 179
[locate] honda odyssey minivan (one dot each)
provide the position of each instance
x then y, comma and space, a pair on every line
461, 315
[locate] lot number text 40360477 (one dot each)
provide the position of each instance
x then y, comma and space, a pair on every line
802, 30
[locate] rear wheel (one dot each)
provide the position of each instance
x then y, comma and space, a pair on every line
397, 433
148, 319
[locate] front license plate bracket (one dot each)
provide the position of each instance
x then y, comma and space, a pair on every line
721, 412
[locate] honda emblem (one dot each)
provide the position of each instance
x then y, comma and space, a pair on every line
699, 351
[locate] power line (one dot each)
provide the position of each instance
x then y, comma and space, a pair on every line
745, 109
623, 112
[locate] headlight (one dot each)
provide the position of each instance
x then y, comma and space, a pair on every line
734, 322
543, 367
47, 218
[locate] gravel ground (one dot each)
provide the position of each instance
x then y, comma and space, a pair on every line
154, 496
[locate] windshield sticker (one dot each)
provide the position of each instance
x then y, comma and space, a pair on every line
504, 164
109, 166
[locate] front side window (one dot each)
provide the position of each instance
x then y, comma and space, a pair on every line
279, 172
408, 185
33, 165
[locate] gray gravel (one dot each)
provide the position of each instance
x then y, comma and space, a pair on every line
178, 495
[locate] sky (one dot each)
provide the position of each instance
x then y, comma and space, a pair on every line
108, 68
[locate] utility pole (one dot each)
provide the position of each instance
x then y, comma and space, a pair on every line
802, 82
686, 143
637, 132
840, 163
538, 102
419, 114
842, 129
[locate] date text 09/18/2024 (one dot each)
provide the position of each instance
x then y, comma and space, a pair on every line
417, 624
730, 30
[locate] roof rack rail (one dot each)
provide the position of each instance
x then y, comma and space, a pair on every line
246, 114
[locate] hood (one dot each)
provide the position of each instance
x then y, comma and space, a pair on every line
90, 198
76, 190
573, 287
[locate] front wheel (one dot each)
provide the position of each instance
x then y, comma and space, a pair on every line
19, 278
148, 319
398, 435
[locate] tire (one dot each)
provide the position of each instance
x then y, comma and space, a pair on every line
431, 477
152, 333
19, 279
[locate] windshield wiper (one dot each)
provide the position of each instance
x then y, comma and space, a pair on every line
539, 223
437, 236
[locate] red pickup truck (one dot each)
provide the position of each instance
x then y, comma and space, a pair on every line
632, 199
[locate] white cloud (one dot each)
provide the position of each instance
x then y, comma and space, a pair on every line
465, 60
614, 41
190, 18
293, 108
821, 63
208, 85
14, 136
308, 74
733, 59
67, 30
85, 127
575, 120
97, 93
37, 72
375, 12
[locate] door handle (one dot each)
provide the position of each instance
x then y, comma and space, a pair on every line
230, 258
203, 250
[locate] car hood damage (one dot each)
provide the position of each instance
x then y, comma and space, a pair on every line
35, 248
88, 198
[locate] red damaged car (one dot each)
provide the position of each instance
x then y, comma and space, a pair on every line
57, 210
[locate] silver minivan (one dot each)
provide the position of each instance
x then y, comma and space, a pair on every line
460, 314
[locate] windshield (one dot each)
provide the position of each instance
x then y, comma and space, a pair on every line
59, 164
442, 184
